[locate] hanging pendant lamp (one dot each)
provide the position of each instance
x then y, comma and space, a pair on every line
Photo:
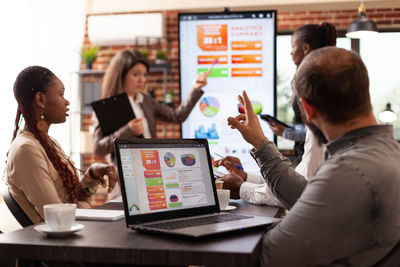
362, 26
387, 116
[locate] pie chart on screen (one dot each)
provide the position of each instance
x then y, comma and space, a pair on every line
209, 106
169, 159
188, 159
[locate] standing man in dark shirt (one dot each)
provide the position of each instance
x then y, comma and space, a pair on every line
348, 214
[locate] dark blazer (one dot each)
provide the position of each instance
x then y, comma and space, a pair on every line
152, 110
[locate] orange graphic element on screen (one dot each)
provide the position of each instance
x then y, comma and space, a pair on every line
246, 72
212, 37
210, 59
246, 45
155, 189
241, 59
152, 174
156, 197
150, 160
158, 205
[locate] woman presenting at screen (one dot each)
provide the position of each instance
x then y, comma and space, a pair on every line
127, 73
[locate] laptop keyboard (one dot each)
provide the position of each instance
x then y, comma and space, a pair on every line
171, 225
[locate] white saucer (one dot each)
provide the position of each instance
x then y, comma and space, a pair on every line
44, 228
228, 208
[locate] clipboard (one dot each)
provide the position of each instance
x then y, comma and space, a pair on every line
113, 112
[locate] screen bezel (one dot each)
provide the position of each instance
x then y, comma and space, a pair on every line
170, 214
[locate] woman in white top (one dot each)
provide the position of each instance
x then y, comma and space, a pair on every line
252, 187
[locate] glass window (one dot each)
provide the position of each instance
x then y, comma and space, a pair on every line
285, 73
382, 56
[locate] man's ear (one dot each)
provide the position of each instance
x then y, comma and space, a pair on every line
40, 99
306, 48
309, 109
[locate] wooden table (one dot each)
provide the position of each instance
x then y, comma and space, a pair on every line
114, 243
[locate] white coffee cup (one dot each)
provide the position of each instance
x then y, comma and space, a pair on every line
59, 217
219, 184
223, 198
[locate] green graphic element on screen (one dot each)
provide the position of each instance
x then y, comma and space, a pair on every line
257, 107
173, 205
215, 72
153, 181
172, 185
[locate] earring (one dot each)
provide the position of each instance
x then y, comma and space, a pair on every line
41, 124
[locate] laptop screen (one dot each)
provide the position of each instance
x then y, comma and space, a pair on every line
161, 176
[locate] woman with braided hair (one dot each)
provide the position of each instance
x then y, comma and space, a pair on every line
38, 172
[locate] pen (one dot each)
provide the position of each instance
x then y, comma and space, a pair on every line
237, 165
215, 62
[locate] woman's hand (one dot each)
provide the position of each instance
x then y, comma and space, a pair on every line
97, 171
201, 80
136, 126
277, 128
233, 182
231, 164
248, 124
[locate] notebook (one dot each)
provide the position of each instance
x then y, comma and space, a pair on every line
113, 113
167, 186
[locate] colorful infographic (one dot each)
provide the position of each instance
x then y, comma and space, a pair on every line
150, 159
188, 159
212, 37
210, 133
257, 107
209, 106
169, 159
153, 179
239, 49
174, 198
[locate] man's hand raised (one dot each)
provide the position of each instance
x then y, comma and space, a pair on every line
248, 124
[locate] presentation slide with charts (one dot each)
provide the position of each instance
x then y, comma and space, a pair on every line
239, 48
166, 178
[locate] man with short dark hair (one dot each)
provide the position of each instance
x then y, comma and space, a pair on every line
349, 212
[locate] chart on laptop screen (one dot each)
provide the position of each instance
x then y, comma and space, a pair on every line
239, 47
160, 179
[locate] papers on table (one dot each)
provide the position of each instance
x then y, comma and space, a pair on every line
117, 199
99, 215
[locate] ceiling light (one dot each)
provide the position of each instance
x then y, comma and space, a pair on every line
362, 26
387, 115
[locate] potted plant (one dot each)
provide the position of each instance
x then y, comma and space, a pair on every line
161, 56
145, 52
89, 55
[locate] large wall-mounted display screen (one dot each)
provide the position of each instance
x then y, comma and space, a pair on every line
240, 48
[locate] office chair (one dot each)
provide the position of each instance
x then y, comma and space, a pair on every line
392, 259
15, 209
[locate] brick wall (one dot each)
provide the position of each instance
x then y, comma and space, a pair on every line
386, 19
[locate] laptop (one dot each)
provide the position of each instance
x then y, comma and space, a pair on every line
167, 186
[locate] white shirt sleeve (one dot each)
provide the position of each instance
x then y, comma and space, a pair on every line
258, 194
255, 178
256, 191
312, 158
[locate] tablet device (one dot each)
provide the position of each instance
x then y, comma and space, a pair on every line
270, 118
113, 112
